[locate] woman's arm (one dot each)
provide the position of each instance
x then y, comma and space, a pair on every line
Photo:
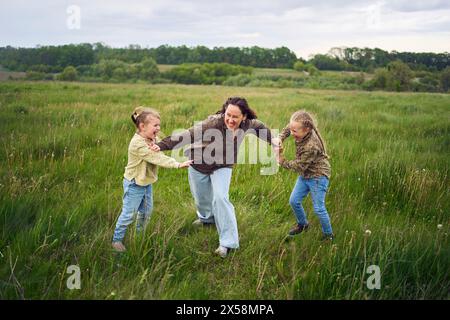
260, 130
176, 141
188, 136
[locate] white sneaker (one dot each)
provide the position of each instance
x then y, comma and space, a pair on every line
197, 223
200, 223
118, 246
222, 251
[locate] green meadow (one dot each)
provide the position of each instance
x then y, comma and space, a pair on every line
63, 149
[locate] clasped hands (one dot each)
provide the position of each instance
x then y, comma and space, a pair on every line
278, 148
276, 144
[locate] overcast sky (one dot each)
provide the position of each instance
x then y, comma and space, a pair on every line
304, 26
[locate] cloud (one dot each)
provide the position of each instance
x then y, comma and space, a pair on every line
305, 26
417, 6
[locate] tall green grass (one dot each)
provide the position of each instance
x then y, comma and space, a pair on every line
63, 148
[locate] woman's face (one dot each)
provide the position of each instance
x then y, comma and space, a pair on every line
150, 128
233, 117
297, 130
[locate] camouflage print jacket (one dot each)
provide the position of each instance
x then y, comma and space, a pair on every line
311, 159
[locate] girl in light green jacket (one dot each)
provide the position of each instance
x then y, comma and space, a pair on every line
141, 173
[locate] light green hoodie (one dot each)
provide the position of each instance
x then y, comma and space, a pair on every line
143, 163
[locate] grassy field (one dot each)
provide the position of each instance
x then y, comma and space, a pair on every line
64, 148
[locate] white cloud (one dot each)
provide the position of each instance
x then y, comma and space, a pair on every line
305, 26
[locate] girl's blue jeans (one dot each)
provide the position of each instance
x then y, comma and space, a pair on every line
318, 188
136, 199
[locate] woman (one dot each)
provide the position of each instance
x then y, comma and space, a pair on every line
214, 146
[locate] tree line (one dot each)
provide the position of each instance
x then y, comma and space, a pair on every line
367, 59
55, 58
394, 71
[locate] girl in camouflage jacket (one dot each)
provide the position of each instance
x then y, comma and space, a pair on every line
312, 165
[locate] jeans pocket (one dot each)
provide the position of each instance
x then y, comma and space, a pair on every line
126, 186
323, 183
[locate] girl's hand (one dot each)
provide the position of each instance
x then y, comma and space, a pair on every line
154, 147
185, 164
279, 156
278, 150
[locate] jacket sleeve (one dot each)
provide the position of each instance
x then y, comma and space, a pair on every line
185, 137
260, 130
302, 163
177, 140
156, 158
286, 132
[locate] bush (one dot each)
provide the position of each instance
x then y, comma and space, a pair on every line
35, 75
148, 69
117, 70
396, 77
326, 62
69, 74
207, 73
299, 66
445, 79
312, 70
241, 80
400, 76
431, 82
40, 68
381, 78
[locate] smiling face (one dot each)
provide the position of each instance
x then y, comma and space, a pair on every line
150, 127
297, 130
233, 117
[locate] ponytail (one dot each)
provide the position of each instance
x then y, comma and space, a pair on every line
140, 115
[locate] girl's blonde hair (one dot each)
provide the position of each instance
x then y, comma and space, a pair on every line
140, 115
306, 120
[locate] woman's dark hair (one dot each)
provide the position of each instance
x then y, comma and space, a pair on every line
243, 106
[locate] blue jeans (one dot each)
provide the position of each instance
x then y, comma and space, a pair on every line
211, 197
135, 199
318, 188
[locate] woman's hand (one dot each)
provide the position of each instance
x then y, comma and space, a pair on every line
276, 142
185, 164
278, 149
154, 147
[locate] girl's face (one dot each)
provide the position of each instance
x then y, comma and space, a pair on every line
233, 117
297, 130
150, 128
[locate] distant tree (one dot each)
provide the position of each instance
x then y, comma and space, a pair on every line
149, 69
69, 74
35, 75
445, 79
207, 73
400, 76
299, 66
312, 70
326, 62
381, 78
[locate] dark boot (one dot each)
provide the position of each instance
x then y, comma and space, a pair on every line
299, 228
